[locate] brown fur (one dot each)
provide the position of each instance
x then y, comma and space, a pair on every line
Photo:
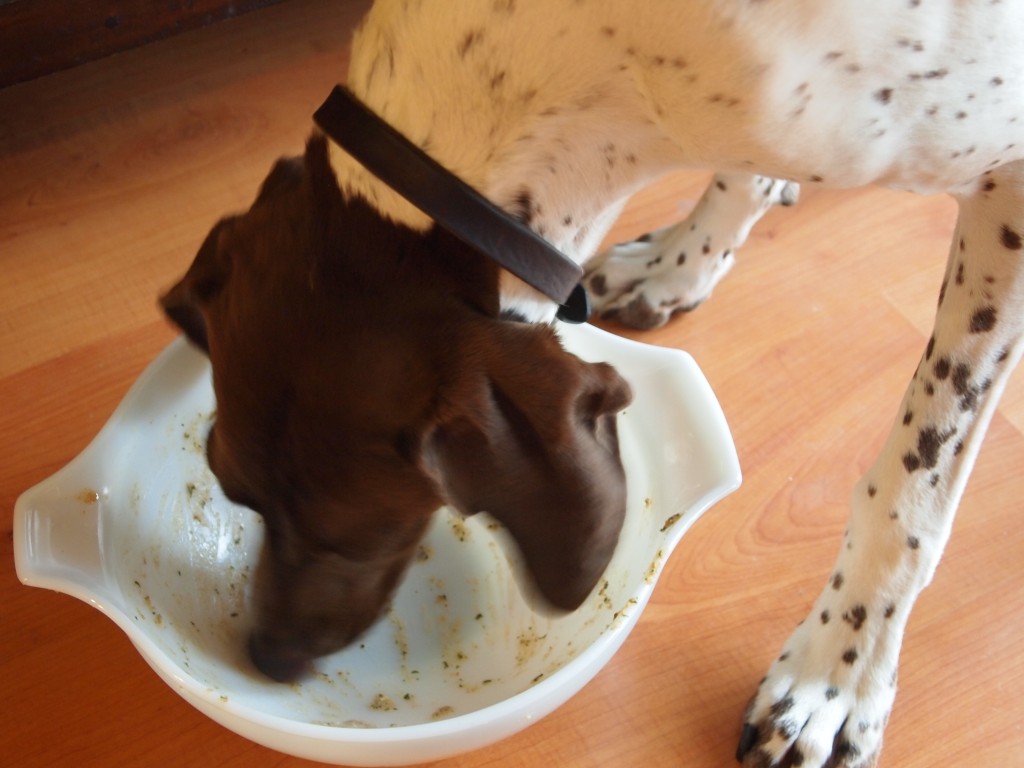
363, 379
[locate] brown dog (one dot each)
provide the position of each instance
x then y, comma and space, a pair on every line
345, 424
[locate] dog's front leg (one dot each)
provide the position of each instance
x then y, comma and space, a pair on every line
826, 699
643, 283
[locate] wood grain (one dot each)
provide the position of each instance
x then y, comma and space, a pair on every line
38, 37
111, 174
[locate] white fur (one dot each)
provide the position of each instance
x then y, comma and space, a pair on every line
558, 110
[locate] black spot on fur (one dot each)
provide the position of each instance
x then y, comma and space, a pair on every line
850, 656
932, 74
787, 729
884, 95
856, 617
913, 542
890, 609
825, 617
837, 581
908, 417
1010, 239
942, 368
872, 491
969, 401
911, 462
782, 706
928, 444
962, 379
843, 749
523, 208
470, 40
831, 693
718, 98
983, 320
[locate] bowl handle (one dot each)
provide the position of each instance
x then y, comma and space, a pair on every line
58, 544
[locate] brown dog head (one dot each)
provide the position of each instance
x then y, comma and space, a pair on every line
363, 378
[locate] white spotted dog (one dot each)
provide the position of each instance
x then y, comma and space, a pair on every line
558, 110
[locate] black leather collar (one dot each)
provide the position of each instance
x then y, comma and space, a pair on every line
452, 203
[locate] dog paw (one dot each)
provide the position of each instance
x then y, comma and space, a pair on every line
636, 310
821, 706
643, 283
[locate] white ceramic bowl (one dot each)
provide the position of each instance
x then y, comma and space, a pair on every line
137, 527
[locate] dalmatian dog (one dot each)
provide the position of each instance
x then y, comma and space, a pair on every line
558, 110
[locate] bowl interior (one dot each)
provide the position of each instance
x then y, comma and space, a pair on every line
177, 557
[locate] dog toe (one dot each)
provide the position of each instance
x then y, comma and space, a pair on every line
637, 313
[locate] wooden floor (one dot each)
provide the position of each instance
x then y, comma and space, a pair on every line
111, 174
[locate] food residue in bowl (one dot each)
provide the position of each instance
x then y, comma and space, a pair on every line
382, 703
655, 567
459, 528
88, 496
194, 432
670, 521
529, 643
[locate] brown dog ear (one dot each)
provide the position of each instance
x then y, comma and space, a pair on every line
206, 277
298, 191
531, 438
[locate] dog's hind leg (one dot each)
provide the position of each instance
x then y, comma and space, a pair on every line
827, 697
643, 283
